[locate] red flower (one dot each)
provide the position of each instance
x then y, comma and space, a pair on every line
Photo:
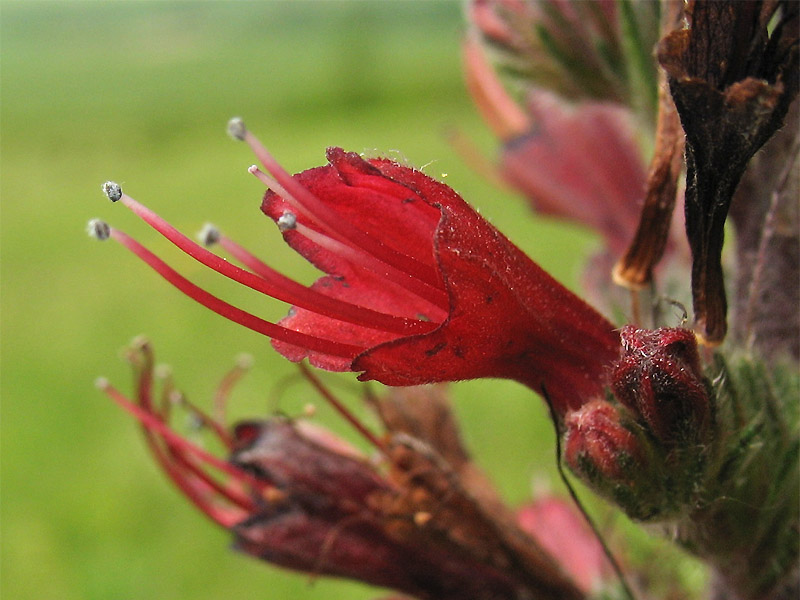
420, 288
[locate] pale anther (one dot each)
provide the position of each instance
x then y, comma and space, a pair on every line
98, 229
236, 128
112, 190
287, 221
209, 235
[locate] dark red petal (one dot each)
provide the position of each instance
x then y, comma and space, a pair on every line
660, 378
374, 204
395, 214
282, 454
508, 318
360, 288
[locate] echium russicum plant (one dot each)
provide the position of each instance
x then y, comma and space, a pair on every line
609, 114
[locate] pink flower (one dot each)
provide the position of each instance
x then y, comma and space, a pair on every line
577, 162
562, 531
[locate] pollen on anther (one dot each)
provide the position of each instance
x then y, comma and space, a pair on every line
112, 190
100, 230
236, 128
101, 383
209, 235
287, 221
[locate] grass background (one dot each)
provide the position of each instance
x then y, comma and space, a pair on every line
140, 92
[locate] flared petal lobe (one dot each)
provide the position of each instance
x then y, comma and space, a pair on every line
393, 213
499, 314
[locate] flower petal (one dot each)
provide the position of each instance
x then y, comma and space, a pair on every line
508, 318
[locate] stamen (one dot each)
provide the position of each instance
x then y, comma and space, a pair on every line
203, 420
98, 229
192, 483
278, 189
209, 235
277, 286
189, 475
237, 129
233, 313
197, 490
287, 221
243, 364
327, 218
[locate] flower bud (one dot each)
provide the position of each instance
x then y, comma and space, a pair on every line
659, 378
597, 445
619, 460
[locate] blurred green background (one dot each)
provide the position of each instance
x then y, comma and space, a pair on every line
140, 92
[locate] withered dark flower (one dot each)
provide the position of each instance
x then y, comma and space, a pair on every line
423, 520
733, 74
648, 245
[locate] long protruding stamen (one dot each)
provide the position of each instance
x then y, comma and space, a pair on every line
277, 286
210, 236
186, 466
223, 391
327, 218
231, 312
196, 489
207, 421
390, 323
277, 188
